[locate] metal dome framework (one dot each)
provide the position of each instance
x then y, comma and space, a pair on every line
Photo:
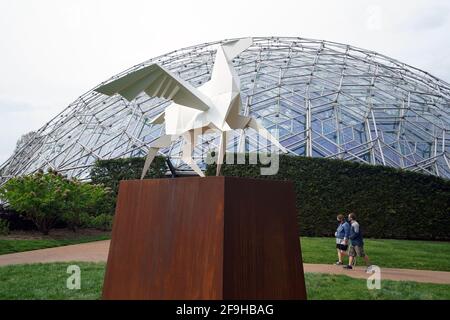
323, 99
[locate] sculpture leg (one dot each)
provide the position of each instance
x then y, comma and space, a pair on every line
261, 130
241, 145
221, 153
188, 147
161, 142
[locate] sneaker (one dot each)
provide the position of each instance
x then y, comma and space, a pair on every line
349, 267
338, 263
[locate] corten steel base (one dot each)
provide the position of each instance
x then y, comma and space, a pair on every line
205, 238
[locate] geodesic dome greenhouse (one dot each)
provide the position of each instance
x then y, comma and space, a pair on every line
323, 99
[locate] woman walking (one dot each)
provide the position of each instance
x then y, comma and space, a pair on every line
342, 234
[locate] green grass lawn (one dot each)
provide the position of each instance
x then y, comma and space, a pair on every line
13, 245
48, 281
407, 254
334, 287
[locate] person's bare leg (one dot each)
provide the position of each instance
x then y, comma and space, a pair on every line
339, 255
366, 259
350, 260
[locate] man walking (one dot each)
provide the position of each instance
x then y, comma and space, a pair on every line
357, 243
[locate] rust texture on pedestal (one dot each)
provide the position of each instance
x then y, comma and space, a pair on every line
205, 238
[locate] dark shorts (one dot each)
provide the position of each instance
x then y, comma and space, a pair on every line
356, 251
341, 247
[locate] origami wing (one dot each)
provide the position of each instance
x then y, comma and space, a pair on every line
156, 82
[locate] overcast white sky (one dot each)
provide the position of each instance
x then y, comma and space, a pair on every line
52, 51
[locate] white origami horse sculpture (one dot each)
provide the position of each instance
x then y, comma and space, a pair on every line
214, 105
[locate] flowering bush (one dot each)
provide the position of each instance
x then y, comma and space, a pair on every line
46, 197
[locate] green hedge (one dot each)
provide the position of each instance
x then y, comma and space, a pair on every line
111, 172
388, 202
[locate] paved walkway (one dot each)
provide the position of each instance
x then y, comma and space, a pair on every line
91, 252
98, 252
426, 276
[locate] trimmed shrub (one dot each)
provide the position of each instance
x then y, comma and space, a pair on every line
82, 200
388, 202
4, 227
110, 172
15, 220
102, 222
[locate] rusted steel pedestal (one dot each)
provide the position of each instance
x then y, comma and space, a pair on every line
205, 238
